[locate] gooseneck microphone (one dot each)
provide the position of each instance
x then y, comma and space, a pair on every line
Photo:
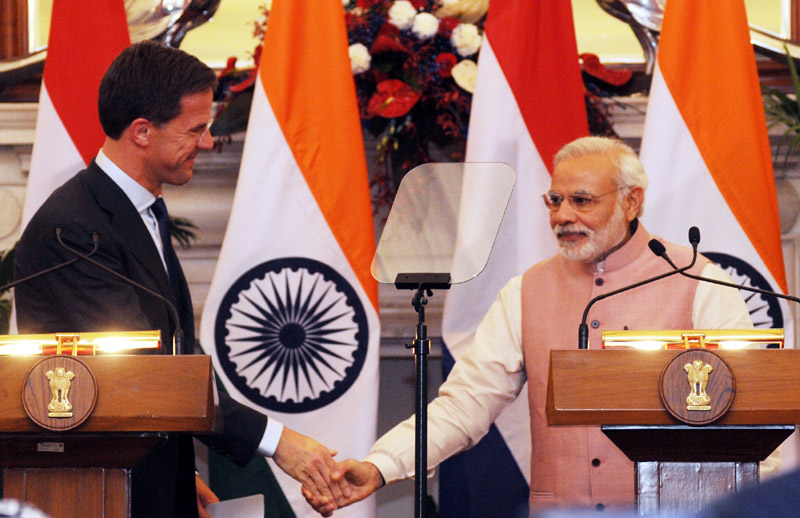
662, 253
46, 270
177, 341
583, 329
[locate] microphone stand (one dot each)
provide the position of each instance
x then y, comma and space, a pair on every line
10, 285
583, 329
177, 338
751, 289
423, 283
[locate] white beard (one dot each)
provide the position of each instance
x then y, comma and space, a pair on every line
599, 243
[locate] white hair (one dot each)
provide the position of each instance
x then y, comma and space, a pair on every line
630, 172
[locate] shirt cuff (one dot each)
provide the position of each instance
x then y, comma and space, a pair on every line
386, 466
272, 436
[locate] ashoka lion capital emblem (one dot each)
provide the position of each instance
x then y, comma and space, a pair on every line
60, 383
697, 376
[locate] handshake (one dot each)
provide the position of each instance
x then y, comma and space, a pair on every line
327, 485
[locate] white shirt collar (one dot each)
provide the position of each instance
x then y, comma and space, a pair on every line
141, 198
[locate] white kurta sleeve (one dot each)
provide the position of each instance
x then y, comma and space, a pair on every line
487, 377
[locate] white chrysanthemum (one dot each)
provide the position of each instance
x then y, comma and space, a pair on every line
464, 74
360, 58
401, 14
268, 5
345, 3
425, 25
466, 39
467, 11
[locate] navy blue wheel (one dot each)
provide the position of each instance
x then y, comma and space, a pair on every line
291, 335
765, 310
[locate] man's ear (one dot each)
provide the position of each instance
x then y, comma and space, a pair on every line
633, 203
140, 132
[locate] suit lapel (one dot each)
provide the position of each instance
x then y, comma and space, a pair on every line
127, 223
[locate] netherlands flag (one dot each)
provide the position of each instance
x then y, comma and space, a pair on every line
528, 103
292, 315
68, 132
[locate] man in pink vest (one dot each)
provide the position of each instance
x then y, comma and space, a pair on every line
595, 199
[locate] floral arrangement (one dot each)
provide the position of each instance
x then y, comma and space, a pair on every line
414, 66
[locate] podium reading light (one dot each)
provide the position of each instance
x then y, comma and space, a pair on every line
79, 344
695, 338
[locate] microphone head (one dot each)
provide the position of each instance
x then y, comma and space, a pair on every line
656, 247
694, 236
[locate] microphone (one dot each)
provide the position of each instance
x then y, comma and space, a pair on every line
751, 289
45, 271
658, 249
177, 339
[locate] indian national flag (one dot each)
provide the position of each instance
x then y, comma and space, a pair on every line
528, 103
706, 152
68, 132
291, 318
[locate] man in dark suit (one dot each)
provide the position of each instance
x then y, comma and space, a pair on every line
155, 106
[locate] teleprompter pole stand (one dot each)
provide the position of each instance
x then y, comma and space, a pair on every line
423, 283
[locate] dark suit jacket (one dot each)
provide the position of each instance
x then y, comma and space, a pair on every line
82, 297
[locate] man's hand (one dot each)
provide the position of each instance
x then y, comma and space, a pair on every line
204, 497
363, 479
311, 463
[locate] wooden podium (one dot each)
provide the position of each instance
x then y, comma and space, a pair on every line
678, 467
86, 471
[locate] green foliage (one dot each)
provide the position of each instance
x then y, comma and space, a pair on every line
182, 230
784, 109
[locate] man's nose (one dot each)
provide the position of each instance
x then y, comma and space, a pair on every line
206, 141
564, 213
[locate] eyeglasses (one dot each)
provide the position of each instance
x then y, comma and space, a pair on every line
196, 133
579, 201
199, 133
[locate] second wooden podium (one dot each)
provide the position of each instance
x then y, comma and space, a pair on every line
678, 467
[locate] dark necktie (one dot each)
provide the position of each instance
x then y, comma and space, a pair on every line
180, 293
162, 217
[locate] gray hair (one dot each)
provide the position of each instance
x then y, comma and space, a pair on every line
630, 172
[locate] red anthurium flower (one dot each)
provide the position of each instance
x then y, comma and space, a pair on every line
446, 62
446, 26
393, 98
389, 29
388, 40
613, 76
247, 83
230, 66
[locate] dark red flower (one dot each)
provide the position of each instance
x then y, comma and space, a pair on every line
393, 98
613, 76
366, 3
388, 40
446, 62
446, 26
230, 66
419, 4
379, 75
246, 83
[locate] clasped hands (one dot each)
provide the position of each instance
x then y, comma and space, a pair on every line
357, 479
